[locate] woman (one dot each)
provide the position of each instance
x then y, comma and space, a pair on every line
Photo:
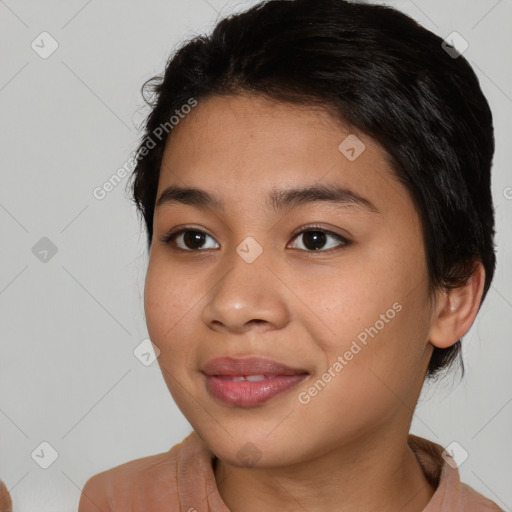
315, 185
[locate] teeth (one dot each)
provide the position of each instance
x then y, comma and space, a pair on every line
254, 377
251, 378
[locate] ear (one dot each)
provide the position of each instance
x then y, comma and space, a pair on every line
456, 309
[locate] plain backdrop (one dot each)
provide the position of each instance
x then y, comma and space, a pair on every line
73, 266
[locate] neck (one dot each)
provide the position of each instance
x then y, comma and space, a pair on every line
364, 475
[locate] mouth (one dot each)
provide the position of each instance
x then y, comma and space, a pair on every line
250, 381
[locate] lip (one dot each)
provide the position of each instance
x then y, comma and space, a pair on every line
221, 374
231, 366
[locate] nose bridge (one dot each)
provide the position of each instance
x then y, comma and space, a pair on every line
248, 289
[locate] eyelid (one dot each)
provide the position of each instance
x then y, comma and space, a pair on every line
178, 230
344, 242
319, 227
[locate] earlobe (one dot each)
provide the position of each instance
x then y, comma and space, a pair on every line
456, 309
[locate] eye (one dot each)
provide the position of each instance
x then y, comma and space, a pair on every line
189, 239
314, 237
192, 238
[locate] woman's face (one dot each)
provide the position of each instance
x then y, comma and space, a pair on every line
255, 277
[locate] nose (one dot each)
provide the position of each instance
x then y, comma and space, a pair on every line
247, 296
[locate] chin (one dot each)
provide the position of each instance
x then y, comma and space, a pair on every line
249, 450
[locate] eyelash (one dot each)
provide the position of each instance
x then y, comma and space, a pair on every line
168, 238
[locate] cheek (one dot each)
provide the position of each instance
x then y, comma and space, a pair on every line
367, 382
394, 351
380, 325
167, 300
357, 308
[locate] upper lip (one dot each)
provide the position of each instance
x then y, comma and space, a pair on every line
248, 366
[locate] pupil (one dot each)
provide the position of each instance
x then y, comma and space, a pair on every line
192, 237
313, 236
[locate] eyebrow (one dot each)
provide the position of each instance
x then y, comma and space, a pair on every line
277, 199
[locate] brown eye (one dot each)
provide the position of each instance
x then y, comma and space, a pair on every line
315, 239
188, 239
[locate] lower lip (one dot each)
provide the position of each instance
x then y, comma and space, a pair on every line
245, 393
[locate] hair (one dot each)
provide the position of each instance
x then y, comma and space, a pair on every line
378, 71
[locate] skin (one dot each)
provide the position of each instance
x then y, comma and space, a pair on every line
346, 449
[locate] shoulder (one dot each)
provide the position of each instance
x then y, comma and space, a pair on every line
473, 501
148, 483
450, 494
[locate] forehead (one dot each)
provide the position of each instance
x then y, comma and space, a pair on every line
237, 145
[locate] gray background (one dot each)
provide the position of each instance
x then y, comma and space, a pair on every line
70, 323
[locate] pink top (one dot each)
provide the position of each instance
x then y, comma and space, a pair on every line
451, 494
183, 480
